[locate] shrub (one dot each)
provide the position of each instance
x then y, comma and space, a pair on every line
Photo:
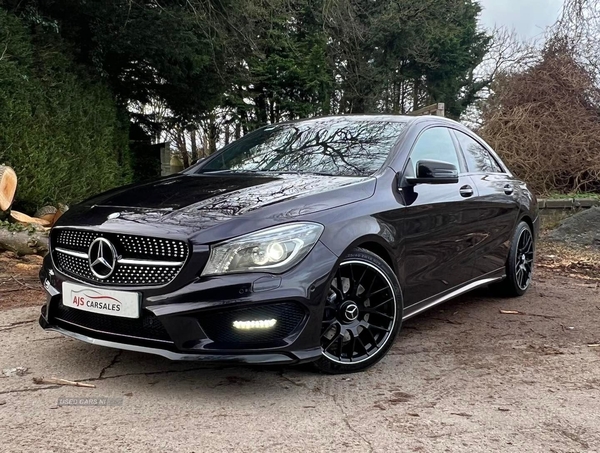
62, 132
545, 123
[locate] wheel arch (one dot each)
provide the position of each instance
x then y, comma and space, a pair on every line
377, 245
527, 219
368, 232
378, 249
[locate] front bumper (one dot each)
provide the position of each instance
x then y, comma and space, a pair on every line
193, 321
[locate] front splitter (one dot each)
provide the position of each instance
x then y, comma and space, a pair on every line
256, 359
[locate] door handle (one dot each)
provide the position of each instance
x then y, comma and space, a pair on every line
466, 191
508, 189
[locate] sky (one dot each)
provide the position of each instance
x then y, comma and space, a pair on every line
528, 17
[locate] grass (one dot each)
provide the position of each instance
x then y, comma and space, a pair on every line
554, 218
578, 196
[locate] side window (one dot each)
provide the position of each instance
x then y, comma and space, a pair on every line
433, 144
478, 158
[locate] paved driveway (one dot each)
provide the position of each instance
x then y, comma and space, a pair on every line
461, 378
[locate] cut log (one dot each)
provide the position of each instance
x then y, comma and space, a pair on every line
24, 242
25, 219
62, 208
8, 187
46, 213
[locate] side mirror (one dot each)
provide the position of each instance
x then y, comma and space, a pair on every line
434, 172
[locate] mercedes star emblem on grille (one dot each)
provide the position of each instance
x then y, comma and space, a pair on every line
102, 257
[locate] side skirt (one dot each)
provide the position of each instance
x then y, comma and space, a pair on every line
425, 305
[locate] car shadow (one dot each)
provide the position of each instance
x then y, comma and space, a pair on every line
157, 374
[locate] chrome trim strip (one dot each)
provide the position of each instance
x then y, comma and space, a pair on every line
83, 255
453, 294
250, 358
149, 262
124, 260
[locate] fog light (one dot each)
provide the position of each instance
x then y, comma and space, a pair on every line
258, 324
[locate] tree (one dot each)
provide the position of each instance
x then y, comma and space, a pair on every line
61, 130
282, 71
399, 55
226, 67
144, 50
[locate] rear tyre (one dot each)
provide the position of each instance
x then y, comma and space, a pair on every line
519, 266
362, 314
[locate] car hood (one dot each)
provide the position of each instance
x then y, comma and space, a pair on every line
196, 203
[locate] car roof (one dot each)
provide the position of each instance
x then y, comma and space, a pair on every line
376, 118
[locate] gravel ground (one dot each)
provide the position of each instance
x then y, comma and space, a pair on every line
463, 377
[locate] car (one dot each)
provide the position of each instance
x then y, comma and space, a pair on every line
305, 241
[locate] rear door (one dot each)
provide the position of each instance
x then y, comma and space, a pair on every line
434, 224
496, 202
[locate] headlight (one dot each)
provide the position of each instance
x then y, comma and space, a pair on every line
274, 249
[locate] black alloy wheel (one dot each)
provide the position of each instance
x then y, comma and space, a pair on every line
519, 266
362, 315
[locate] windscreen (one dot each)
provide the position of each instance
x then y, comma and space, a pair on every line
340, 147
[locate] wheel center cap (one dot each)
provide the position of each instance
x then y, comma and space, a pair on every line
349, 311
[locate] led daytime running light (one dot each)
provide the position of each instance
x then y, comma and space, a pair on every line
257, 324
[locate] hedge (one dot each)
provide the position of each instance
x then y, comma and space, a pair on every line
62, 131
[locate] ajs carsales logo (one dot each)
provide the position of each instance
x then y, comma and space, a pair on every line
93, 299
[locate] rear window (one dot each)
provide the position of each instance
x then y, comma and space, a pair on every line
478, 158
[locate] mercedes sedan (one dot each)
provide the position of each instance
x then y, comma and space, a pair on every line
308, 241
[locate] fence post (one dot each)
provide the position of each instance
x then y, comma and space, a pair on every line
165, 159
438, 109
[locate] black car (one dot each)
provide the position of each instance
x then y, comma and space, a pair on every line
302, 241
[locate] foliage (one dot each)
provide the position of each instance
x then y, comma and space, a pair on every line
399, 55
17, 227
575, 195
271, 60
59, 129
545, 123
208, 71
283, 71
544, 116
143, 50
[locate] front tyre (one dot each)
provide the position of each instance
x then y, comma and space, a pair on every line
519, 266
362, 315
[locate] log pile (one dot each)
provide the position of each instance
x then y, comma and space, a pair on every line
19, 232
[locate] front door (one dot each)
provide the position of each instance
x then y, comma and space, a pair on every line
434, 224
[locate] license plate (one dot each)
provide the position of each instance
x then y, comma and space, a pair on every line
103, 301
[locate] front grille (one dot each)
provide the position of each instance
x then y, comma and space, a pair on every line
218, 325
142, 261
147, 327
